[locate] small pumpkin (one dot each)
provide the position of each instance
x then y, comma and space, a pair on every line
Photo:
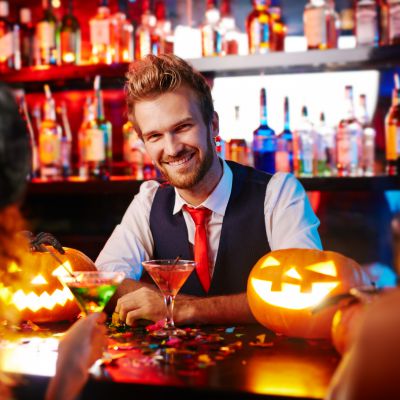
37, 294
285, 285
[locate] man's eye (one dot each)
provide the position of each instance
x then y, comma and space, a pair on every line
184, 127
153, 137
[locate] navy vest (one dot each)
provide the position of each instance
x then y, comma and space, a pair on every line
243, 236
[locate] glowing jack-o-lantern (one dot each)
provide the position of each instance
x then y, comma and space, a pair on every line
37, 294
285, 285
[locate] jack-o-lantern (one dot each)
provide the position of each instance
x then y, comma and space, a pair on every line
36, 293
285, 285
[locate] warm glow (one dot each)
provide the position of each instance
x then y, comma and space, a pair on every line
63, 269
291, 296
69, 57
270, 262
292, 273
13, 267
325, 268
38, 280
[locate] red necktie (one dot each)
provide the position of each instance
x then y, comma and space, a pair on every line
199, 216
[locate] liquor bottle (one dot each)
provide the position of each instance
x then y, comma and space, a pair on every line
146, 39
66, 142
6, 39
383, 22
227, 28
100, 35
305, 145
50, 134
367, 32
211, 38
284, 151
27, 37
70, 37
325, 164
133, 150
163, 29
320, 25
258, 27
98, 139
349, 140
333, 25
368, 138
121, 35
264, 140
48, 37
392, 134
393, 22
278, 28
88, 117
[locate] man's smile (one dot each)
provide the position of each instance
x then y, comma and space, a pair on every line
177, 162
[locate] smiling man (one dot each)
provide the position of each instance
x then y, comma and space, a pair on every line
240, 213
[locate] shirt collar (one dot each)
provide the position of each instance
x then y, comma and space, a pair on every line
217, 201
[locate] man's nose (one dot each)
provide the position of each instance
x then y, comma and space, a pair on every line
172, 145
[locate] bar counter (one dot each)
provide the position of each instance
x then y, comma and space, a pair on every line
244, 362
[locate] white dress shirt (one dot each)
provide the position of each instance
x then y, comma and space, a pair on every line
289, 220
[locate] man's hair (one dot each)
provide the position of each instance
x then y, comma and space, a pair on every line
155, 75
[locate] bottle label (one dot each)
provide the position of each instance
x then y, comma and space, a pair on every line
94, 144
46, 35
366, 26
99, 32
392, 142
68, 42
49, 148
259, 36
6, 46
394, 22
315, 27
143, 43
343, 149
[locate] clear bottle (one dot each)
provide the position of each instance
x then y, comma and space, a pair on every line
27, 37
305, 145
264, 140
394, 22
164, 29
211, 38
70, 37
88, 117
368, 138
333, 25
6, 39
325, 148
349, 140
48, 37
392, 134
50, 134
146, 39
227, 28
98, 139
100, 35
284, 151
258, 28
66, 142
133, 150
278, 27
367, 31
383, 22
121, 35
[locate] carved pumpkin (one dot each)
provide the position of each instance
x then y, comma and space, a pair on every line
38, 295
285, 285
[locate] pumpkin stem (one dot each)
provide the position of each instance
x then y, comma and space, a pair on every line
43, 238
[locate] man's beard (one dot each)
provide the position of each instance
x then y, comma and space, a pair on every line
191, 179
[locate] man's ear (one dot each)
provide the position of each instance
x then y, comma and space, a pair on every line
215, 125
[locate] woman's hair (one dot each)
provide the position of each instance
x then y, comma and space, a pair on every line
155, 75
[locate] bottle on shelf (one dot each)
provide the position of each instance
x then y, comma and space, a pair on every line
393, 18
305, 137
324, 148
258, 28
97, 139
211, 38
284, 150
229, 31
66, 142
146, 38
88, 117
6, 39
133, 150
367, 31
70, 37
121, 35
48, 37
383, 22
320, 24
368, 138
264, 140
164, 28
349, 140
392, 132
50, 135
278, 27
27, 37
100, 35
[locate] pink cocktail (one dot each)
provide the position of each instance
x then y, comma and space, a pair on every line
169, 276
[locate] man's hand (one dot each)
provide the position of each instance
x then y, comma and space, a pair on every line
143, 303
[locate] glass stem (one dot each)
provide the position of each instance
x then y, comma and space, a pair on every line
169, 302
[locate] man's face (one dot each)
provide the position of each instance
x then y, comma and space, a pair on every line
176, 137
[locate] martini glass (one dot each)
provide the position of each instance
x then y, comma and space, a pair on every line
169, 275
92, 289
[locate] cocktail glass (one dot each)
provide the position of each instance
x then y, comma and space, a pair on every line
169, 276
92, 289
